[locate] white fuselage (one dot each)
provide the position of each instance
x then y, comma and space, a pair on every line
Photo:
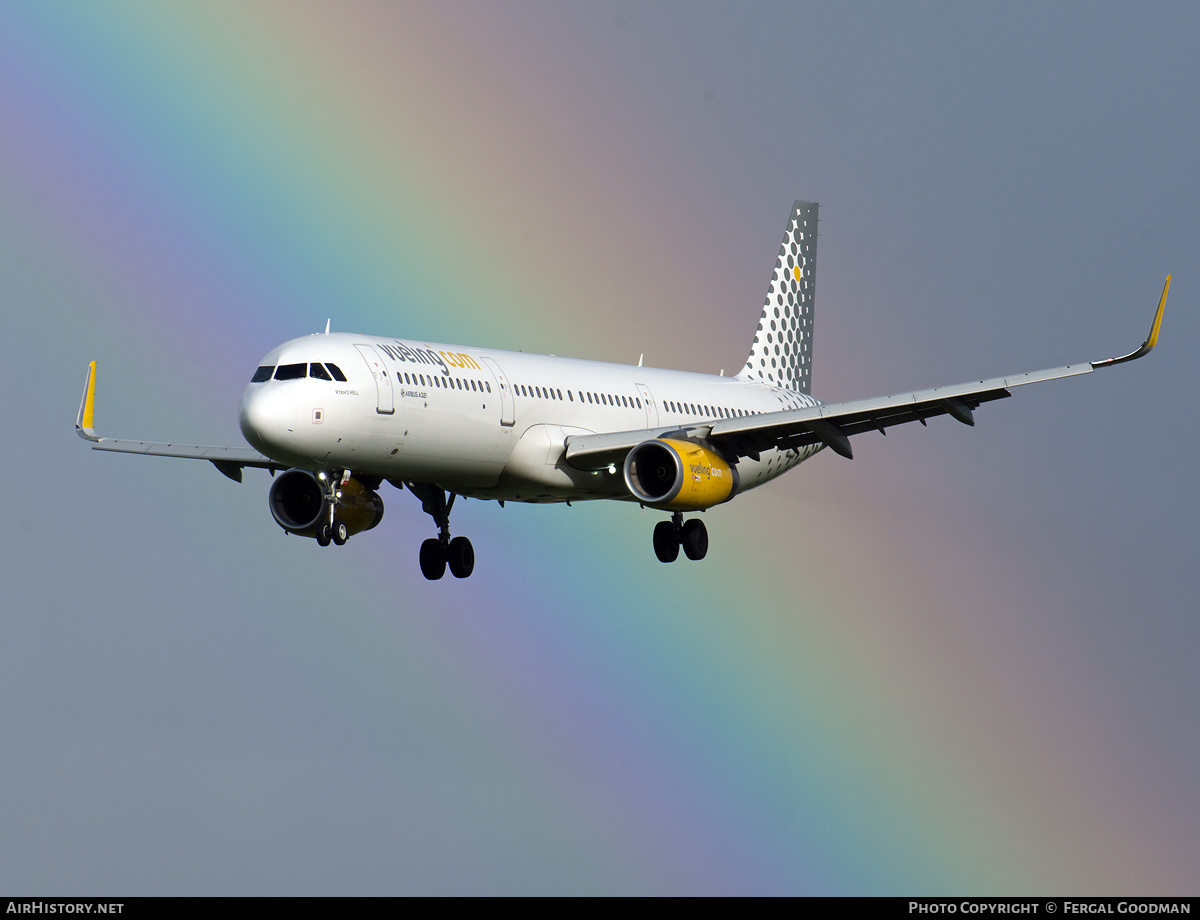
482, 422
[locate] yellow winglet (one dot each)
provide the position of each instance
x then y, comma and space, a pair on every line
1151, 339
87, 407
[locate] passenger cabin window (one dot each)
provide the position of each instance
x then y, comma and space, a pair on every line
291, 371
336, 371
316, 370
263, 374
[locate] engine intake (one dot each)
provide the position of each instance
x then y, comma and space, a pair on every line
300, 503
681, 475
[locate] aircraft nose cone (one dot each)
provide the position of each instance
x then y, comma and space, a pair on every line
267, 418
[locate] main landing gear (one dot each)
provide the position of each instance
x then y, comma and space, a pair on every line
441, 551
670, 535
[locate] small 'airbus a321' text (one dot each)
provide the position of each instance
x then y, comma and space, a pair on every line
338, 414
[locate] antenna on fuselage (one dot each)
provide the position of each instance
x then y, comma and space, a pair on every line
640, 359
327, 326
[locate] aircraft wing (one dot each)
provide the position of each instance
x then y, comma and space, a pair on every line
834, 424
229, 460
598, 451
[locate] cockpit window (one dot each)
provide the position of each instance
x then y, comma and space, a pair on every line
291, 371
336, 371
316, 370
263, 374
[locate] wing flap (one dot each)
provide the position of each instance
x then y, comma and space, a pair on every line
229, 461
242, 456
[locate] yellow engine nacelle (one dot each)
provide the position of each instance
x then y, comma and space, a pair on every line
681, 475
300, 503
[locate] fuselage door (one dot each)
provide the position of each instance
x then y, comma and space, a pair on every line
506, 397
649, 405
383, 381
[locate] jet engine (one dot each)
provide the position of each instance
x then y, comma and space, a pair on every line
680, 475
300, 501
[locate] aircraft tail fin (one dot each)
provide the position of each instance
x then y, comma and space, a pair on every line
781, 354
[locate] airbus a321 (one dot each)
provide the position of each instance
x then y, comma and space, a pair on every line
338, 414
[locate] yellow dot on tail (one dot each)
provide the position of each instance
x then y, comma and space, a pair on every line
796, 272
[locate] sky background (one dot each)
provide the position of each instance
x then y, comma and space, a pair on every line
964, 663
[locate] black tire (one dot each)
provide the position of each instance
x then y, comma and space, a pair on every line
341, 533
433, 559
666, 546
695, 539
323, 535
461, 557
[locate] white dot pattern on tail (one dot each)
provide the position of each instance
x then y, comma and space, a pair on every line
782, 351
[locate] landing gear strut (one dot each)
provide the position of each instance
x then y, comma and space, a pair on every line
670, 535
333, 530
440, 551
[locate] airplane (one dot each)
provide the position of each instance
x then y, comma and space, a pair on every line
337, 414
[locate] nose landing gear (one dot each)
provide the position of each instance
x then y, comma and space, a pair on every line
441, 551
670, 535
337, 533
332, 531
